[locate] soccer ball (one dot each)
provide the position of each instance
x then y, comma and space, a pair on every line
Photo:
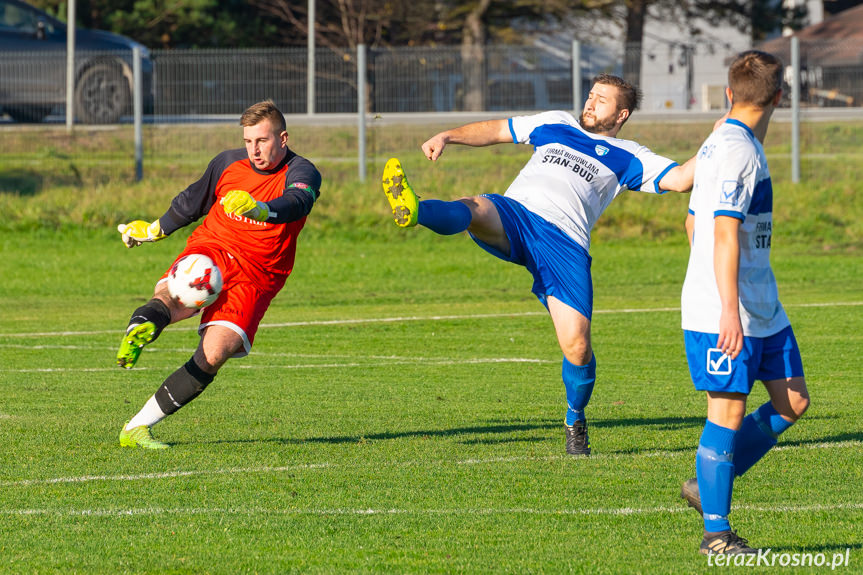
195, 281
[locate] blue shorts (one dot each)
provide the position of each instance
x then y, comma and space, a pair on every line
560, 266
763, 358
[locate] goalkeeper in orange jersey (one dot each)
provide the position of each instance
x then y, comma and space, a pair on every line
254, 203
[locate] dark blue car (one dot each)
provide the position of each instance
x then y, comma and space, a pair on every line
33, 69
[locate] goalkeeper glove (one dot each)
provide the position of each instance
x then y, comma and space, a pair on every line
241, 203
137, 232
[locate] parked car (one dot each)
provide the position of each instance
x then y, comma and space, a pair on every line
33, 68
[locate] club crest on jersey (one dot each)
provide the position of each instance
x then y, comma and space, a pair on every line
730, 192
601, 150
717, 362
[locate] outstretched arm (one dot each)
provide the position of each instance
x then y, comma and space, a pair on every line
679, 178
475, 134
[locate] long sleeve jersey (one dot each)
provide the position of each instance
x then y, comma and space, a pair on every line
264, 248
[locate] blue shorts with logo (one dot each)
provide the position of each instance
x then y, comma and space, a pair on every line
560, 266
763, 358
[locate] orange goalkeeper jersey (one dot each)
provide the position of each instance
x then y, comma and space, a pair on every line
263, 249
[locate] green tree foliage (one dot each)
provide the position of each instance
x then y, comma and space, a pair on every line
758, 18
174, 23
342, 24
502, 21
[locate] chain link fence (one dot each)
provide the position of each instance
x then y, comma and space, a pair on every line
215, 86
191, 84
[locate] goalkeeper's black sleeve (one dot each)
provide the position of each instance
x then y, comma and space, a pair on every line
294, 204
302, 185
196, 200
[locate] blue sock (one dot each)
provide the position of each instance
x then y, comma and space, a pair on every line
445, 218
757, 435
714, 468
578, 381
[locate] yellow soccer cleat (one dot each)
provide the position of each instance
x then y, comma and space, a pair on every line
140, 437
133, 343
401, 196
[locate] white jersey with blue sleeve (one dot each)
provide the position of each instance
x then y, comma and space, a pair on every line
574, 175
731, 179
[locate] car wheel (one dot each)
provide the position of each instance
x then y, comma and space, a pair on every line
101, 94
28, 114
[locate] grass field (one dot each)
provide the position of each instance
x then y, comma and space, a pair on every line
49, 179
401, 412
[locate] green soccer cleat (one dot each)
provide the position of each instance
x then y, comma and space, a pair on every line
133, 342
140, 437
401, 196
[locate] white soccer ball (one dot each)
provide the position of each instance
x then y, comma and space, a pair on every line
195, 281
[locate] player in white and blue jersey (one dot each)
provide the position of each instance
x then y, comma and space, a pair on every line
735, 329
544, 219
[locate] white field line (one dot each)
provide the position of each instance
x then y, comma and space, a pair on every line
620, 511
407, 463
186, 350
378, 362
414, 318
310, 323
260, 354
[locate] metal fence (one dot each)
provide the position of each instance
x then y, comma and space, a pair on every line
33, 86
831, 72
190, 84
225, 82
182, 84
217, 85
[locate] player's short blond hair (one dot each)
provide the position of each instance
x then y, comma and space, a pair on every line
261, 111
755, 78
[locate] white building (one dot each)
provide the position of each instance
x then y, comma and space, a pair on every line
680, 71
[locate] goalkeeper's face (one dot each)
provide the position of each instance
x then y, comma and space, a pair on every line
265, 146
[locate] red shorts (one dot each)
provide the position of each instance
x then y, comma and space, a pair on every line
243, 302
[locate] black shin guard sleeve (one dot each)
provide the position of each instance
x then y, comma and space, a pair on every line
182, 386
155, 311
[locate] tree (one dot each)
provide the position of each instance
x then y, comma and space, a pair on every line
173, 23
478, 20
473, 57
758, 17
636, 12
340, 25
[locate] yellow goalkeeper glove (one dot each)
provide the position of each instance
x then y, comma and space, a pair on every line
241, 203
137, 232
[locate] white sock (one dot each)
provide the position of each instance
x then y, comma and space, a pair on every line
150, 415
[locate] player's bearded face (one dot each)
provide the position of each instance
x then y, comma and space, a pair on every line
596, 125
600, 110
265, 146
